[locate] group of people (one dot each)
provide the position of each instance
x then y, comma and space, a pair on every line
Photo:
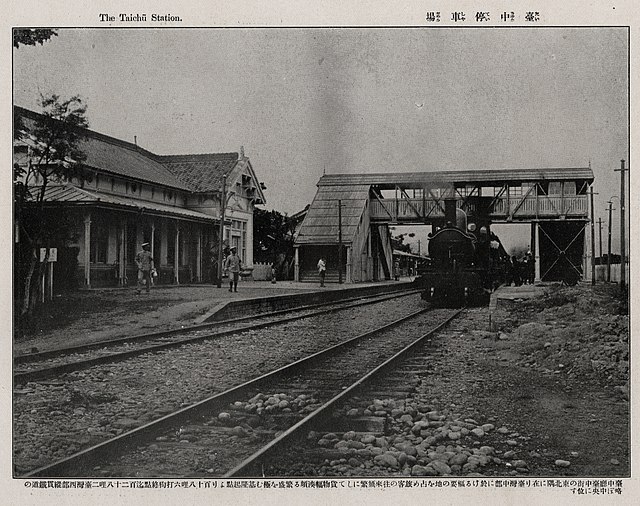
146, 269
520, 270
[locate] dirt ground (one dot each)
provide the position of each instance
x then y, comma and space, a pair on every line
558, 367
93, 315
87, 316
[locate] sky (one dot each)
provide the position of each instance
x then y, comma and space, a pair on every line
307, 101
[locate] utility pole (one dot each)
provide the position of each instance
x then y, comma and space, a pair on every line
609, 244
340, 241
223, 205
593, 241
623, 260
600, 240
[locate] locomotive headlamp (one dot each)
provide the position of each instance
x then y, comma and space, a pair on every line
471, 227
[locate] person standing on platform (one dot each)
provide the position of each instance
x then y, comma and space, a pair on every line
144, 261
322, 270
531, 268
232, 265
515, 270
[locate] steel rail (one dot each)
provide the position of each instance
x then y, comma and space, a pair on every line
45, 354
89, 457
47, 372
318, 417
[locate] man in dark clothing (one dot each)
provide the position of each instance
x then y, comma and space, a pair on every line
144, 261
232, 265
515, 270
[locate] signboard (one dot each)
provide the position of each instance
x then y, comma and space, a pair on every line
53, 254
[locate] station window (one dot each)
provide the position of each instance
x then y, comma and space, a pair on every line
570, 188
237, 237
555, 188
515, 191
171, 244
131, 241
99, 243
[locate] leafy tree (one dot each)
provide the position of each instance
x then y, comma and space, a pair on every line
273, 239
31, 36
397, 242
54, 155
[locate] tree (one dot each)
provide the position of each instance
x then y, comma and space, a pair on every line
53, 139
397, 242
31, 36
273, 239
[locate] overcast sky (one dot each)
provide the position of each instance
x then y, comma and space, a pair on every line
302, 101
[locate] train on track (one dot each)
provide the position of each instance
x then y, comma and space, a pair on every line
465, 265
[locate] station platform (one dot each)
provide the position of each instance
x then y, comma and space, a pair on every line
97, 314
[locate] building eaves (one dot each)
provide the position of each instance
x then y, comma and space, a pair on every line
69, 194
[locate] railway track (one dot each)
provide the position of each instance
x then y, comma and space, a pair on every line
375, 419
232, 433
47, 364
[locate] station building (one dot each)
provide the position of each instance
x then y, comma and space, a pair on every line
127, 196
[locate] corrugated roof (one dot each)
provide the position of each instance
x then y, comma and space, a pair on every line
320, 225
458, 178
71, 194
201, 173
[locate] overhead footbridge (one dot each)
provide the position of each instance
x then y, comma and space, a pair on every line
361, 207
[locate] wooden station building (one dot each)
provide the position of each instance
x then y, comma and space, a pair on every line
128, 196
553, 200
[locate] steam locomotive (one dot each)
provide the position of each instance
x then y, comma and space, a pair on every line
465, 265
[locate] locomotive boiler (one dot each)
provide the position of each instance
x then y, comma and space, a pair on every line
465, 264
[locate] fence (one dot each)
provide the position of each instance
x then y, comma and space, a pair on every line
262, 272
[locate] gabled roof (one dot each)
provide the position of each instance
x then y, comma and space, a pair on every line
125, 161
201, 173
116, 156
320, 225
191, 172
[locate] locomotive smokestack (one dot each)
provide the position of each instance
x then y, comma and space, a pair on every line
450, 211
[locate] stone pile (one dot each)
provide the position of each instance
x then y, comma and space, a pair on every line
263, 404
419, 441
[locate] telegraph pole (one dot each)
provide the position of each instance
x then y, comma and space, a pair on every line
600, 239
340, 241
623, 260
223, 205
593, 241
609, 244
